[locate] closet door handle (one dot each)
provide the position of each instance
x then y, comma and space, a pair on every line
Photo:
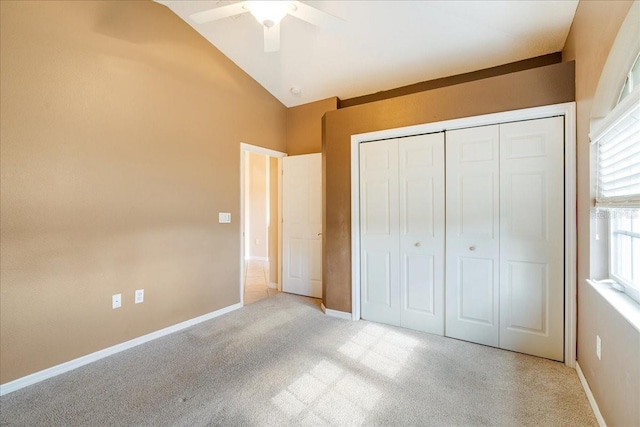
319, 234
416, 244
472, 248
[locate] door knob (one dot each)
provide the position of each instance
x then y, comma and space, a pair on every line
319, 234
416, 244
472, 248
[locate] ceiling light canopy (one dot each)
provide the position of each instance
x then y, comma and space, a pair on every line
268, 13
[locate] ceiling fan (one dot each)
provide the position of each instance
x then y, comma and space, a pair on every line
269, 14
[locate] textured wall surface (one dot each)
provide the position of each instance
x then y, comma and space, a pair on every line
257, 205
614, 380
304, 126
545, 85
120, 143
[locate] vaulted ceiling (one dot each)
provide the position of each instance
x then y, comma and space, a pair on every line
380, 45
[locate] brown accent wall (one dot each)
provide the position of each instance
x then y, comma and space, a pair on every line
304, 127
120, 143
614, 380
547, 85
525, 64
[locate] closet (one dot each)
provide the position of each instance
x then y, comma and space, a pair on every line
402, 231
462, 234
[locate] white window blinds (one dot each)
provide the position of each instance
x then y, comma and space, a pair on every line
618, 161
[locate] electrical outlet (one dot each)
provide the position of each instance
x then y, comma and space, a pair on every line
139, 296
598, 347
116, 301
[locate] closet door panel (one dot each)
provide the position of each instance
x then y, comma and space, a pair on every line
532, 237
472, 234
379, 222
475, 290
421, 238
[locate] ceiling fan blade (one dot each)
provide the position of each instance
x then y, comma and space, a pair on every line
272, 38
314, 16
219, 13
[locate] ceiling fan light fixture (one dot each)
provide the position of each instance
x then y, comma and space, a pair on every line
268, 13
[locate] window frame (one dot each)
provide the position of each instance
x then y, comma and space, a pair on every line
632, 290
615, 205
630, 80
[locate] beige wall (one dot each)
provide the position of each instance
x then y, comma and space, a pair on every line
257, 205
120, 142
546, 85
304, 126
614, 380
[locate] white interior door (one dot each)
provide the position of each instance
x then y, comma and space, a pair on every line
472, 235
421, 215
402, 232
532, 237
379, 223
302, 225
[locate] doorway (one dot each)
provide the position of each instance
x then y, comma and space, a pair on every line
260, 169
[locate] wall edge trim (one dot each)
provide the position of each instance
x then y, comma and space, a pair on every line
56, 370
335, 313
590, 396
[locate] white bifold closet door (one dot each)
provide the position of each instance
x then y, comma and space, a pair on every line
402, 232
505, 236
473, 239
532, 237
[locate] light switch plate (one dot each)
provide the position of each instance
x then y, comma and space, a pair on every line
224, 217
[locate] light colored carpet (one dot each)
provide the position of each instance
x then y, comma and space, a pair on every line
281, 362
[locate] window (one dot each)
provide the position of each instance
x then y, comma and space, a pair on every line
618, 184
624, 250
632, 81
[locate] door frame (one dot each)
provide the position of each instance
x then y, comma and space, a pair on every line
568, 110
244, 148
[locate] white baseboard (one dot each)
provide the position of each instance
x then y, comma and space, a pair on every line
101, 354
335, 313
590, 397
272, 285
256, 258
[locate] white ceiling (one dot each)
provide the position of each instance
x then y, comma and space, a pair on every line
382, 45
